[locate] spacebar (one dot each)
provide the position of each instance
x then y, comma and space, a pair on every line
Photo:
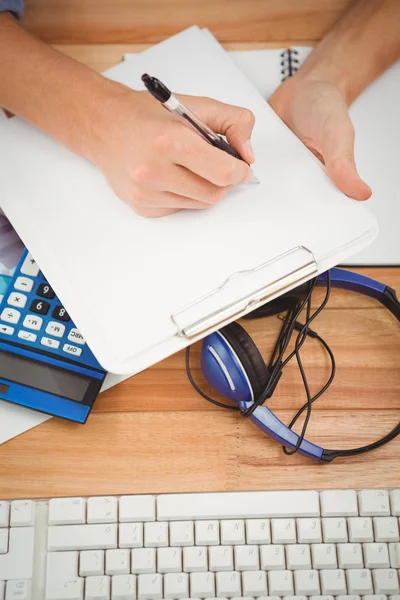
237, 505
82, 537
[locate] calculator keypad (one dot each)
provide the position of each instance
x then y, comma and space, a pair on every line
32, 314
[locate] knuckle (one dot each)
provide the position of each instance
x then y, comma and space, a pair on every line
166, 142
139, 196
227, 174
143, 173
247, 116
216, 195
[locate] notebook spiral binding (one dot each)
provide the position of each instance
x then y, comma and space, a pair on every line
289, 63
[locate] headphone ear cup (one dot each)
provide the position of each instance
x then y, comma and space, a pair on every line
248, 354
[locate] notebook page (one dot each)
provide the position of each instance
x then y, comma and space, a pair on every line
146, 259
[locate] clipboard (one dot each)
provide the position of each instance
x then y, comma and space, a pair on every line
140, 289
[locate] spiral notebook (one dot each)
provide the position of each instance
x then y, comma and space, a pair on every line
375, 115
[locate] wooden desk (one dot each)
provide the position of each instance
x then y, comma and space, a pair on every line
153, 434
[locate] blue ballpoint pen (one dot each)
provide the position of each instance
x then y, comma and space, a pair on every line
159, 91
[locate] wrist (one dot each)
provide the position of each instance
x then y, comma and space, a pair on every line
335, 75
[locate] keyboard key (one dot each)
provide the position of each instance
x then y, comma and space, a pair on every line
82, 537
60, 314
350, 556
207, 533
307, 582
309, 531
22, 513
298, 557
334, 530
72, 349
55, 329
376, 556
345, 597
63, 582
386, 529
386, 581
360, 530
232, 532
155, 534
102, 510
324, 556
181, 533
17, 299
272, 557
123, 587
24, 284
143, 560
150, 587
394, 552
6, 329
76, 337
10, 315
118, 562
283, 531
18, 589
137, 508
359, 581
228, 584
241, 505
254, 583
67, 511
338, 503
333, 582
202, 585
131, 535
29, 266
258, 531
374, 503
40, 307
280, 583
27, 336
169, 560
18, 562
45, 291
4, 513
176, 585
2, 589
395, 502
247, 558
3, 541
91, 562
195, 559
50, 343
33, 322
221, 558
97, 588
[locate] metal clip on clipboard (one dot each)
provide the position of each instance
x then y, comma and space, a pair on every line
250, 290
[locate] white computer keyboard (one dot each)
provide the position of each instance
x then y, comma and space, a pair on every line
297, 544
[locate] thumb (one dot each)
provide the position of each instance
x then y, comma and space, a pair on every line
338, 155
234, 122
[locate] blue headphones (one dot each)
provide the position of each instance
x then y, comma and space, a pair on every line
234, 367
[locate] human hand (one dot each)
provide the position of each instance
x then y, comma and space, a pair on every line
316, 111
159, 165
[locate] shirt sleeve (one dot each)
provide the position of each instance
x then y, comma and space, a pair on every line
14, 6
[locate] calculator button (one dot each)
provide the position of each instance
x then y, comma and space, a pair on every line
56, 329
45, 291
10, 315
33, 322
27, 336
40, 306
24, 284
6, 329
16, 299
29, 267
60, 313
45, 341
75, 336
72, 349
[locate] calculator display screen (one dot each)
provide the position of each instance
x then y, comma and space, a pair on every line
43, 377
11, 249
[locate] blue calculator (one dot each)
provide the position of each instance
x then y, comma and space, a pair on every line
45, 364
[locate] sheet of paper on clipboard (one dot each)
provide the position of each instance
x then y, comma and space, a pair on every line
172, 280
